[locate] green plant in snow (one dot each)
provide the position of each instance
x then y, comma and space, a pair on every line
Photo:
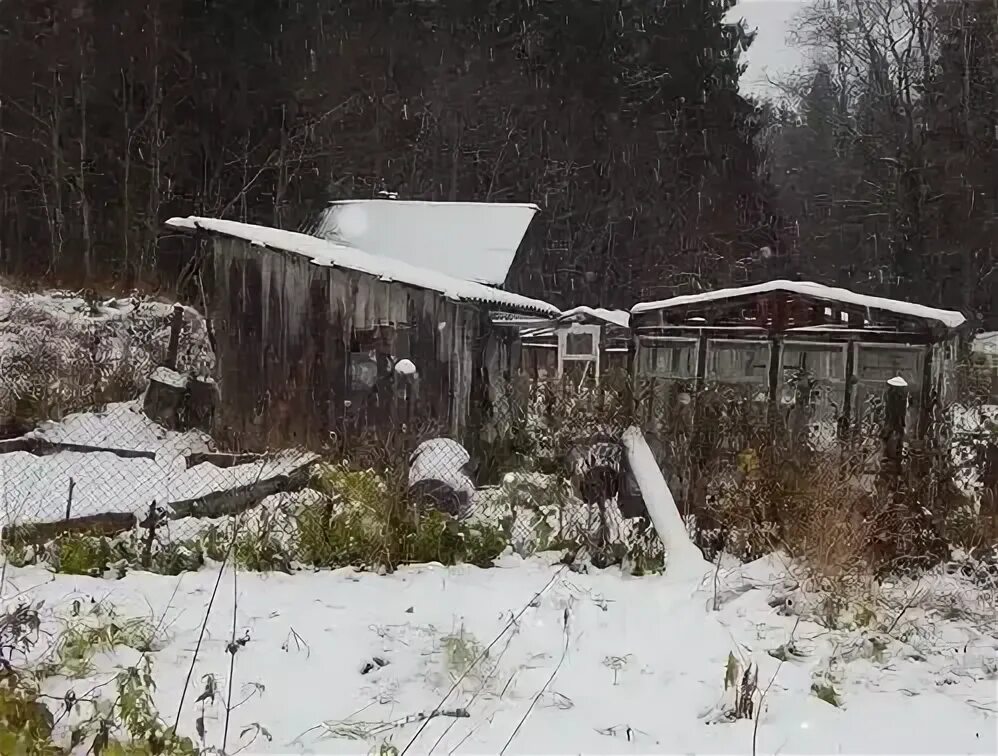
645, 554
131, 726
214, 542
358, 524
741, 685
482, 544
25, 722
176, 557
368, 521
385, 749
541, 501
437, 537
18, 554
76, 554
123, 723
82, 640
460, 651
258, 548
340, 483
352, 536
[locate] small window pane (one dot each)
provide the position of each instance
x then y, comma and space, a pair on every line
879, 364
579, 344
729, 362
816, 362
671, 359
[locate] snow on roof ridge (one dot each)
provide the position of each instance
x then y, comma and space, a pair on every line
949, 318
620, 318
333, 254
452, 203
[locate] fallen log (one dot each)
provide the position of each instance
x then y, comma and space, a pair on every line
223, 460
108, 524
232, 501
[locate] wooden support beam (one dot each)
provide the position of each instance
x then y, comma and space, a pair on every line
845, 419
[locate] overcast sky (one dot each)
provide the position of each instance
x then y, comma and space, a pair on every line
770, 54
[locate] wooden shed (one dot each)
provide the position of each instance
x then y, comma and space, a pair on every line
792, 342
317, 337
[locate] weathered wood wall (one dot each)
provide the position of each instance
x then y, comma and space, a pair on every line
285, 330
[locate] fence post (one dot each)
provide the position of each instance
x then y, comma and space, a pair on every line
895, 411
69, 499
150, 523
989, 478
175, 327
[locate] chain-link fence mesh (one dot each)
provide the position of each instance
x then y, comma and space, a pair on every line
87, 478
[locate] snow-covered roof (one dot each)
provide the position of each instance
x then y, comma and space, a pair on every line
620, 318
948, 318
339, 255
472, 240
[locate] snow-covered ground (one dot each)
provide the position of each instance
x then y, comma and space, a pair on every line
616, 664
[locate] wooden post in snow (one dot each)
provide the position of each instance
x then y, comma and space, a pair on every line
895, 412
176, 324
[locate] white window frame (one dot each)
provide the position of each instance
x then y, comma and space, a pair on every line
593, 356
654, 342
708, 378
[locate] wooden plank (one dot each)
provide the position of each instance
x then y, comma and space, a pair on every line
41, 447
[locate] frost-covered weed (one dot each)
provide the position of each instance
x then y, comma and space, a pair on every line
115, 720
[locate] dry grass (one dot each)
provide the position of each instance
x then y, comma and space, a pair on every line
834, 511
61, 353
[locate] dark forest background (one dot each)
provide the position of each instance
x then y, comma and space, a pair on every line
622, 119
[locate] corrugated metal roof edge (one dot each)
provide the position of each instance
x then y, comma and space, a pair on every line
550, 310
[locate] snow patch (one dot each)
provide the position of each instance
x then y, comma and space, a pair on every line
620, 318
123, 426
405, 367
169, 377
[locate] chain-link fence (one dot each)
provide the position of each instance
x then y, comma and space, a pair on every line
89, 481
